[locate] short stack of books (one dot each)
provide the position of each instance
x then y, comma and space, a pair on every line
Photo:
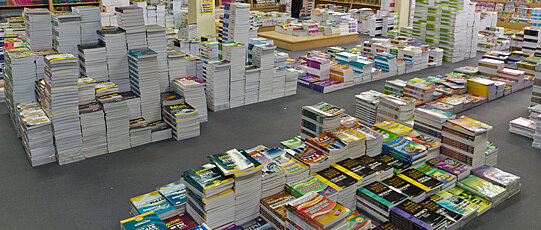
430, 185
291, 82
433, 145
490, 67
419, 91
193, 90
90, 23
412, 215
152, 202
145, 220
406, 151
36, 134
130, 18
343, 74
183, 119
105, 87
93, 130
413, 192
374, 139
383, 171
38, 29
480, 187
175, 193
117, 56
537, 135
93, 61
157, 42
251, 94
278, 84
86, 90
143, 68
315, 159
465, 140
448, 179
359, 171
430, 120
160, 131
396, 109
345, 185
274, 177
312, 184
333, 147
217, 84
394, 127
499, 177
395, 87
523, 126
356, 145
366, 107
463, 207
140, 132
180, 222
294, 169
273, 208
377, 199
319, 118
457, 168
66, 32
117, 122
314, 211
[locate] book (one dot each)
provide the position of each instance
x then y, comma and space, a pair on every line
484, 205
468, 125
206, 180
361, 172
174, 192
411, 215
317, 211
494, 193
231, 162
273, 208
147, 220
499, 177
425, 182
380, 197
412, 191
180, 222
152, 201
453, 219
256, 224
393, 127
345, 184
446, 178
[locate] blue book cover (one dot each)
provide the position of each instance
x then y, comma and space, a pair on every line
174, 192
152, 201
144, 221
201, 227
206, 177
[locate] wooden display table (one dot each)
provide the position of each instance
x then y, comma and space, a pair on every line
290, 42
265, 29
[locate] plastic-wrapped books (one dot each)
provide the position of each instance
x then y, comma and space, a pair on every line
38, 29
217, 84
193, 90
67, 32
144, 83
130, 18
90, 23
93, 130
36, 134
157, 42
117, 122
93, 61
117, 56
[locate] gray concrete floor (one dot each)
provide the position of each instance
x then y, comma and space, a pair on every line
95, 193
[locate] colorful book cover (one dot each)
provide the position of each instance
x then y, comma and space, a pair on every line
356, 221
231, 162
449, 165
418, 178
405, 148
293, 143
404, 187
152, 201
335, 178
398, 165
201, 227
325, 109
418, 216
174, 192
496, 176
438, 174
369, 133
287, 162
309, 155
206, 177
277, 203
145, 221
482, 188
326, 143
441, 115
484, 205
346, 135
353, 168
429, 143
373, 164
470, 125
452, 217
319, 208
256, 224
312, 184
382, 194
387, 136
393, 127
180, 222
454, 203
269, 166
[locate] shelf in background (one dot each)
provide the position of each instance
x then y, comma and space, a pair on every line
350, 3
76, 3
266, 8
512, 25
22, 6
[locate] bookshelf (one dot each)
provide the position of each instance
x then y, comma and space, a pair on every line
509, 24
50, 5
352, 4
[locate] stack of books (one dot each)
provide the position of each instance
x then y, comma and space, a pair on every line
193, 90
301, 213
315, 159
105, 87
499, 177
247, 174
90, 23
160, 131
463, 207
66, 32
523, 126
433, 145
419, 91
143, 67
345, 185
40, 64
366, 106
490, 67
343, 74
491, 155
430, 185
448, 179
19, 80
291, 82
274, 177
176, 62
377, 200
175, 193
182, 221
235, 53
395, 87
86, 90
312, 184
134, 104
396, 109
383, 171
294, 169
117, 56
537, 136
62, 106
393, 127
482, 204
211, 199
93, 130
457, 168
373, 139
387, 63
465, 140
412, 215
130, 18
237, 22
278, 83
406, 151
152, 202
216, 75
251, 93
319, 118
358, 170
491, 192
38, 29
273, 208
355, 141
93, 61
145, 220
157, 42
117, 122
183, 119
334, 148
413, 192
430, 120
36, 134
263, 58
398, 166
210, 49
140, 133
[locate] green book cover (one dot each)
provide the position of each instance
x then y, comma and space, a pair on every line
482, 188
484, 205
205, 177
231, 162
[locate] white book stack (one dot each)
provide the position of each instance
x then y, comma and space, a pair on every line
66, 32
140, 132
117, 56
40, 64
490, 67
62, 106
144, 83
280, 58
93, 130
134, 104
193, 90
150, 15
130, 18
235, 53
117, 122
93, 61
157, 42
161, 15
523, 126
176, 62
238, 19
142, 5
19, 80
210, 49
279, 83
90, 23
263, 58
396, 109
252, 85
36, 133
537, 136
366, 107
291, 82
86, 90
160, 131
216, 74
38, 29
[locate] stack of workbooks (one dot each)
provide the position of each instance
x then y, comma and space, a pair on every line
480, 187
355, 141
134, 104
465, 140
345, 185
490, 67
263, 58
467, 209
406, 151
86, 90
152, 202
247, 174
36, 134
193, 90
374, 139
157, 42
235, 53
251, 94
183, 119
38, 29
140, 132
176, 63
130, 18
448, 179
430, 185
182, 221
90, 23
273, 175
413, 192
319, 118
273, 208
217, 84
105, 87
93, 61
419, 91
387, 63
499, 177
396, 109
66, 32
312, 184
377, 199
537, 136
411, 215
481, 204
457, 168
491, 155
301, 213
315, 159
358, 170
333, 147
144, 82
398, 166
145, 220
366, 107
175, 193
432, 144
117, 56
160, 131
62, 106
117, 122
430, 120
382, 169
93, 130
523, 126
278, 84
211, 199
294, 169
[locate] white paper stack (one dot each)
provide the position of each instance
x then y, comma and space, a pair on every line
62, 106
19, 80
144, 83
66, 32
160, 131
263, 58
93, 130
235, 53
176, 61
537, 136
93, 61
183, 119
134, 104
237, 22
116, 121
193, 90
140, 132
278, 83
36, 133
523, 126
117, 56
90, 23
86, 90
157, 42
251, 94
130, 18
160, 15
217, 84
291, 82
38, 29
366, 107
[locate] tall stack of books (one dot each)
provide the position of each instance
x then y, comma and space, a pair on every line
247, 174
319, 118
377, 200
251, 94
193, 90
130, 18
273, 178
217, 84
19, 80
93, 61
117, 122
176, 62
36, 134
157, 42
143, 67
38, 29
62, 106
263, 58
210, 49
66, 32
301, 213
396, 109
90, 23
374, 139
140, 132
93, 130
291, 82
237, 17
331, 146
273, 209
278, 84
40, 64
387, 63
235, 53
117, 56
537, 136
134, 104
366, 107
465, 140
430, 120
183, 119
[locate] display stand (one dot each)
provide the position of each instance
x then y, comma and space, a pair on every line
290, 42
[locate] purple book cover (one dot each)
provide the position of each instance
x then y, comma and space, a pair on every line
320, 86
449, 165
231, 227
181, 222
411, 218
495, 176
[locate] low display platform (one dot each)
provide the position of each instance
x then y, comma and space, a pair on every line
265, 29
290, 42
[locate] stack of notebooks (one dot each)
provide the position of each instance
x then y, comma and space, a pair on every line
90, 23
356, 145
273, 175
176, 62
465, 140
377, 199
66, 32
523, 126
294, 169
183, 119
314, 211
366, 107
160, 131
430, 185
273, 208
86, 90
247, 174
144, 82
117, 56
140, 133
38, 29
193, 90
499, 177
319, 118
345, 185
396, 109
430, 120
93, 61
251, 93
211, 199
152, 202
117, 122
130, 18
93, 130
36, 134
235, 53
157, 42
134, 104
62, 106
216, 74
334, 148
480, 187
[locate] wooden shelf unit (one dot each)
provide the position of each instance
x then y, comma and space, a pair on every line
350, 3
50, 5
508, 24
